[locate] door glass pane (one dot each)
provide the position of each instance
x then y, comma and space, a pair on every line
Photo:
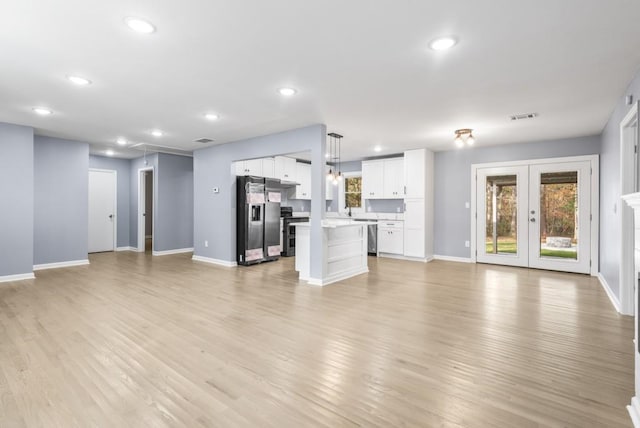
502, 215
559, 215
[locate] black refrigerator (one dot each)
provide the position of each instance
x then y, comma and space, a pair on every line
258, 220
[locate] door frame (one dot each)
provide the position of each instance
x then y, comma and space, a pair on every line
595, 199
141, 208
115, 203
627, 185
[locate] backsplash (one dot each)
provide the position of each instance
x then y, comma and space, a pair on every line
384, 205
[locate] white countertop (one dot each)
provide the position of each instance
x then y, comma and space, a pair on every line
335, 223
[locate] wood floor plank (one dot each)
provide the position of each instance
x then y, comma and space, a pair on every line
135, 340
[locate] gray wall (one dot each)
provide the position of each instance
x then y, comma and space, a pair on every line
453, 183
134, 166
174, 203
61, 198
610, 202
16, 199
215, 214
123, 168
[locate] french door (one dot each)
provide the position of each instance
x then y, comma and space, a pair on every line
536, 215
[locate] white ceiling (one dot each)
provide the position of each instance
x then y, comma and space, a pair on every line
361, 66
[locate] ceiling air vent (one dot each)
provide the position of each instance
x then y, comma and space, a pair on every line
523, 116
203, 140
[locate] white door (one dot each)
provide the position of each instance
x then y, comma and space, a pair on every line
502, 230
535, 216
102, 211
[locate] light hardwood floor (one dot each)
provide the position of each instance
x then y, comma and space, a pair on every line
135, 340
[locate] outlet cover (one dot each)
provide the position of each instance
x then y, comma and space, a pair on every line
206, 244
467, 244
467, 205
216, 190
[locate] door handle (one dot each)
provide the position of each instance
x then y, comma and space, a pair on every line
532, 220
110, 215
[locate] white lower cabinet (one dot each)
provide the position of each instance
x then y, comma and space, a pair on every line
390, 237
414, 228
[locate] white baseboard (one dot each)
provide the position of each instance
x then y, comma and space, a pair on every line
218, 262
634, 411
452, 259
176, 251
614, 299
401, 257
336, 278
126, 249
17, 277
61, 264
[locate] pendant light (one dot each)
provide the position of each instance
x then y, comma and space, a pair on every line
335, 163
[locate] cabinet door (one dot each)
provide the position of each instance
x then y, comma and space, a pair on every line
239, 168
285, 168
393, 178
414, 173
414, 228
268, 168
372, 179
390, 240
253, 167
303, 176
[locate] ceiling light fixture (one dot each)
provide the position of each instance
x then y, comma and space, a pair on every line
287, 92
335, 164
464, 135
157, 133
80, 81
140, 25
42, 111
443, 43
211, 116
110, 153
121, 141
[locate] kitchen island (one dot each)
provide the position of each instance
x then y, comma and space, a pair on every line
344, 250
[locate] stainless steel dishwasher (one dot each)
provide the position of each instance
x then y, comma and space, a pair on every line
372, 240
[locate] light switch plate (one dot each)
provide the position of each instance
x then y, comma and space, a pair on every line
467, 244
467, 205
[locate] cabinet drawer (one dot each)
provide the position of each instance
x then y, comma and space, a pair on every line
385, 224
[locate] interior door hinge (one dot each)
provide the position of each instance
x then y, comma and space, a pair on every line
591, 217
589, 263
635, 149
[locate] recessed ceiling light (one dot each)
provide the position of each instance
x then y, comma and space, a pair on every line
110, 153
377, 149
42, 111
80, 81
287, 92
121, 141
211, 116
140, 25
157, 133
443, 43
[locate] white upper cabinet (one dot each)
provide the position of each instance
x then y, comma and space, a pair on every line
414, 173
249, 167
383, 179
372, 179
269, 168
303, 177
285, 168
393, 178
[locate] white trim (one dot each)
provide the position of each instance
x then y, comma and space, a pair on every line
126, 249
595, 199
217, 262
452, 259
336, 278
401, 257
634, 411
614, 299
169, 252
61, 264
627, 162
115, 203
141, 208
17, 277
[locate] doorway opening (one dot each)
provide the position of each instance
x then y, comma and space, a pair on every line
145, 210
102, 210
538, 214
